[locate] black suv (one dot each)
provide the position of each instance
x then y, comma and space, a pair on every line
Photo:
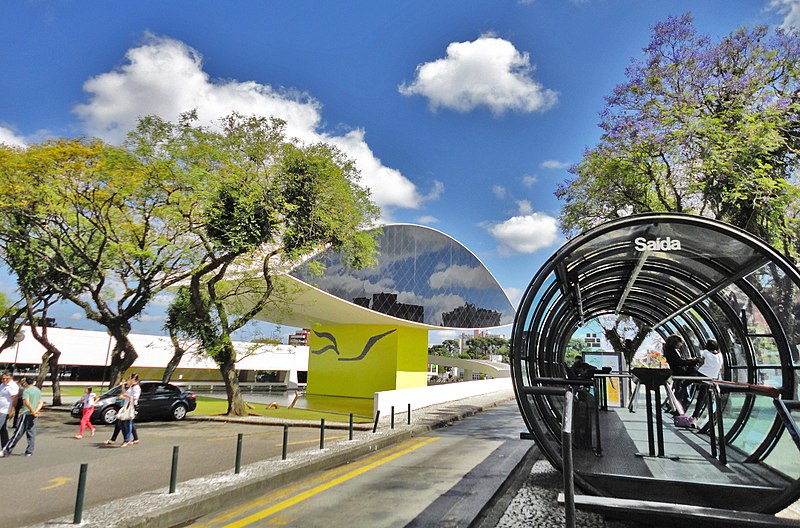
158, 400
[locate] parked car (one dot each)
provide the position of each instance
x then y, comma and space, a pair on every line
158, 400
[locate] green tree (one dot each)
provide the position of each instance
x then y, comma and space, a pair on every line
259, 201
484, 346
448, 347
107, 229
701, 127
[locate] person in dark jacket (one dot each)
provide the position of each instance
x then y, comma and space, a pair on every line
681, 364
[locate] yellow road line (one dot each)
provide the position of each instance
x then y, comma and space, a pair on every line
291, 501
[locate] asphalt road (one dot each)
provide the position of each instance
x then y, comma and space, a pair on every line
438, 479
42, 487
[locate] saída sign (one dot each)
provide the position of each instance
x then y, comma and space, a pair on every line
659, 244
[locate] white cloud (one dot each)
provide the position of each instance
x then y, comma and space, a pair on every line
164, 76
790, 10
427, 219
554, 164
529, 180
524, 207
526, 233
8, 137
76, 316
514, 295
488, 72
461, 277
499, 192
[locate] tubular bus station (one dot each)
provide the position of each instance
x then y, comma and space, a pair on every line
667, 274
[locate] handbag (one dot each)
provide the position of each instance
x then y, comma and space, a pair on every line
126, 412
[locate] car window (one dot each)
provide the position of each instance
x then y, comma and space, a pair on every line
111, 393
166, 389
148, 388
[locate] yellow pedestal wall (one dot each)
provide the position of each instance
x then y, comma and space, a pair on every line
358, 360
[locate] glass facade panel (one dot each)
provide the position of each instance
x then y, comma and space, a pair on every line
765, 350
422, 275
756, 427
785, 457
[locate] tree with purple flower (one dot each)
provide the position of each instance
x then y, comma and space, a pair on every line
701, 127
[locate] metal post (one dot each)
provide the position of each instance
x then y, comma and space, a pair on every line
285, 441
351, 427
409, 414
375, 424
322, 433
173, 476
723, 452
566, 456
659, 424
712, 408
238, 453
392, 421
81, 492
651, 443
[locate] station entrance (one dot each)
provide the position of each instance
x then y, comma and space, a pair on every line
635, 282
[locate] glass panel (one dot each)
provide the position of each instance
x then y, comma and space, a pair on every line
785, 457
422, 275
766, 351
769, 376
783, 296
757, 426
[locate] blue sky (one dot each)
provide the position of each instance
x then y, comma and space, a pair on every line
462, 115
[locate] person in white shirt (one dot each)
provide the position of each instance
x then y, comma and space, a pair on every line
711, 368
88, 400
9, 392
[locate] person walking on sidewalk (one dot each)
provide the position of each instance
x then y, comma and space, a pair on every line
9, 391
31, 407
88, 400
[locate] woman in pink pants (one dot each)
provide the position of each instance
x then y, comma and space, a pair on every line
88, 399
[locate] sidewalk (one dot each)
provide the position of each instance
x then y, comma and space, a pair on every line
205, 495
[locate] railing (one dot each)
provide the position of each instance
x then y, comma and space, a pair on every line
556, 386
548, 388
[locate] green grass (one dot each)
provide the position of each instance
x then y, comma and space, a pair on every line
217, 406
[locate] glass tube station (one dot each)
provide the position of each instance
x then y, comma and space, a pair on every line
671, 274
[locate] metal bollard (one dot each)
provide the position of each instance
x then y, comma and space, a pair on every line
351, 427
392, 421
322, 433
173, 477
409, 414
238, 453
285, 441
377, 417
81, 492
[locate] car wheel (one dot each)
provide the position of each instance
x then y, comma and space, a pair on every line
109, 415
179, 412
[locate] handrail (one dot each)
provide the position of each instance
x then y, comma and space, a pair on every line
566, 457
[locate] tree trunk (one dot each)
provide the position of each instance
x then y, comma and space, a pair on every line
49, 363
174, 361
236, 406
123, 355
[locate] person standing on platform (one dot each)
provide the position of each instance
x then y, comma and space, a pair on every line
9, 392
681, 365
711, 368
31, 407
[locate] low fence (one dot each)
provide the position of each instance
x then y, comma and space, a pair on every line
418, 397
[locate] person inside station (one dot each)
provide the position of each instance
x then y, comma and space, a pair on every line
711, 368
681, 364
582, 370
